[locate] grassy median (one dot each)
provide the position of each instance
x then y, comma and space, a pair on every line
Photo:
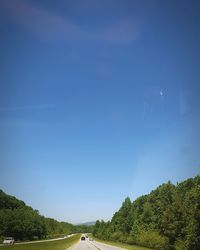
49, 245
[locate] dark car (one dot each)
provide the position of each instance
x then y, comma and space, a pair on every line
83, 238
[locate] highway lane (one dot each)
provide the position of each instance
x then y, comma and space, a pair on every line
39, 241
93, 245
104, 246
83, 245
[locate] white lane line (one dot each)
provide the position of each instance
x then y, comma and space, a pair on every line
95, 245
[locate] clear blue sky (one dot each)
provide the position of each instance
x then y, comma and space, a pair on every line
99, 100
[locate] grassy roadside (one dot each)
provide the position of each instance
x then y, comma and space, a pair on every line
122, 245
51, 245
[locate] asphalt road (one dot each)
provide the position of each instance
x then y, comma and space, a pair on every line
93, 245
38, 241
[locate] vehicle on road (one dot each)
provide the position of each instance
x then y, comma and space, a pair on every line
9, 241
83, 238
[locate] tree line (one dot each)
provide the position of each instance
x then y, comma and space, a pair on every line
24, 223
167, 218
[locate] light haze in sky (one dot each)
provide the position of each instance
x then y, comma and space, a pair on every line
99, 100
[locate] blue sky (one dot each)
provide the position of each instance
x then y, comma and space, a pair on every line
99, 100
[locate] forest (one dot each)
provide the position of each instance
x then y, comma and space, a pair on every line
24, 223
167, 218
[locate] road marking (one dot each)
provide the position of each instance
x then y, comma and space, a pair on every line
95, 246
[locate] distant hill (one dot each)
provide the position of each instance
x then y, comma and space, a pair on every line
90, 223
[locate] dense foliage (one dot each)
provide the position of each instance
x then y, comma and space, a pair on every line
167, 218
24, 223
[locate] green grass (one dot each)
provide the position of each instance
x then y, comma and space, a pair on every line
122, 245
51, 245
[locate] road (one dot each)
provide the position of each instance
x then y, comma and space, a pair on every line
38, 241
93, 245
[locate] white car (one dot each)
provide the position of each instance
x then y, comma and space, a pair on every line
9, 241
